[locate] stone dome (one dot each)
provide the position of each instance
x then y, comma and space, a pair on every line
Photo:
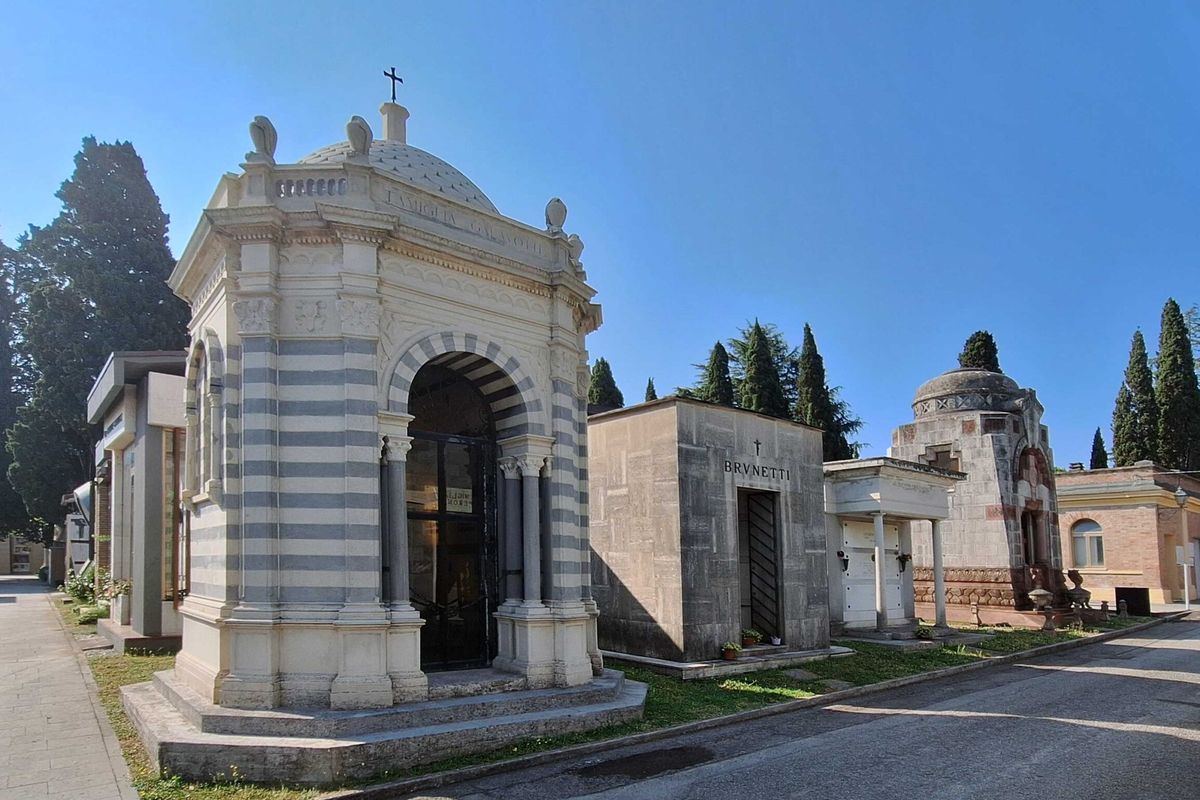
967, 388
392, 154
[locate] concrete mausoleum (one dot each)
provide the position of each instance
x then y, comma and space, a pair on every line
706, 520
137, 401
386, 476
1002, 539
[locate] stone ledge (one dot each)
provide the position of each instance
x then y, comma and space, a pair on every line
124, 639
693, 670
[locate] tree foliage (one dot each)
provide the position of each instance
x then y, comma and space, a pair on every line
651, 394
979, 352
761, 387
784, 357
95, 283
715, 384
1177, 394
1135, 417
817, 404
14, 519
1099, 458
603, 391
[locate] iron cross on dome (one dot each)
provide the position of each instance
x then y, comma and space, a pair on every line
394, 78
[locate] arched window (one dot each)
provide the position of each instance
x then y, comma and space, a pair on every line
1087, 544
204, 423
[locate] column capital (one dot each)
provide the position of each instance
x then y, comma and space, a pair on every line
393, 424
397, 447
531, 465
510, 467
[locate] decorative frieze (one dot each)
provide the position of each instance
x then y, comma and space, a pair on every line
255, 316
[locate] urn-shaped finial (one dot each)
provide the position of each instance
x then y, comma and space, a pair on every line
556, 215
264, 138
360, 136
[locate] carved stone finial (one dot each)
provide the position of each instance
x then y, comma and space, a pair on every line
556, 215
360, 135
575, 249
264, 137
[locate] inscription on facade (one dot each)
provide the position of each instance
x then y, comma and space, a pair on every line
757, 470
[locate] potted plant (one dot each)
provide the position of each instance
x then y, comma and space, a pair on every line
730, 651
751, 637
776, 641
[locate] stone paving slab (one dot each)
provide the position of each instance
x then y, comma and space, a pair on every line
55, 741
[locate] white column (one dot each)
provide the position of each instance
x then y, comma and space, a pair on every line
531, 505
939, 576
397, 514
880, 579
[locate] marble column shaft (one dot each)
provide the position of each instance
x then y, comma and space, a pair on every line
513, 590
939, 574
881, 616
531, 470
397, 517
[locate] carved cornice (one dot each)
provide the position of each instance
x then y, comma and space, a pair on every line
417, 252
254, 224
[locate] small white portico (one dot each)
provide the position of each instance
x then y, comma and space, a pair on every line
870, 504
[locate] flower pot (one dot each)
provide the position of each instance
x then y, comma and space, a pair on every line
776, 641
748, 641
729, 655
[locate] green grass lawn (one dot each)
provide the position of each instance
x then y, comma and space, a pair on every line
669, 701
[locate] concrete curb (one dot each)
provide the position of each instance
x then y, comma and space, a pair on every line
111, 746
393, 789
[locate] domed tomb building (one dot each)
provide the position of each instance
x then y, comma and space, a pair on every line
386, 495
1002, 538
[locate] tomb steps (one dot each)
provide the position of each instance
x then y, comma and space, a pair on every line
188, 737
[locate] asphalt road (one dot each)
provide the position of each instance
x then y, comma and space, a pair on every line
1115, 720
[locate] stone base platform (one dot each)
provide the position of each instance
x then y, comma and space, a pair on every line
469, 712
752, 659
990, 615
124, 638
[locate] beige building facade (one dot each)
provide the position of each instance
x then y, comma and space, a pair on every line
20, 557
1123, 527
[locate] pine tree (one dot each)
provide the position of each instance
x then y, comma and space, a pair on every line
96, 283
1099, 454
785, 357
1177, 394
715, 385
816, 406
603, 392
650, 393
761, 389
979, 352
1135, 417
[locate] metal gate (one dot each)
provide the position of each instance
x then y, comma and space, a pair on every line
764, 572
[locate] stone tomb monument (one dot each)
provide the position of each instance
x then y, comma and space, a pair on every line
1001, 540
706, 520
385, 473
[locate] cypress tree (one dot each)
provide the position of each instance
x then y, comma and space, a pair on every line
603, 391
650, 393
979, 352
1177, 394
815, 404
1135, 417
1124, 429
95, 283
761, 389
1099, 454
14, 519
715, 385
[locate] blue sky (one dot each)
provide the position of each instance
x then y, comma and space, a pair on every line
895, 174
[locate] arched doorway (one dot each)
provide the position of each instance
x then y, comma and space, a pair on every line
450, 497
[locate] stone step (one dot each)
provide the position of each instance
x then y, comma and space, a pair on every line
324, 723
178, 748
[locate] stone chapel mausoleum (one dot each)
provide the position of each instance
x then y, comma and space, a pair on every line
1001, 540
385, 477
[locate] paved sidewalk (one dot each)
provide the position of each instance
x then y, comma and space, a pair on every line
55, 741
